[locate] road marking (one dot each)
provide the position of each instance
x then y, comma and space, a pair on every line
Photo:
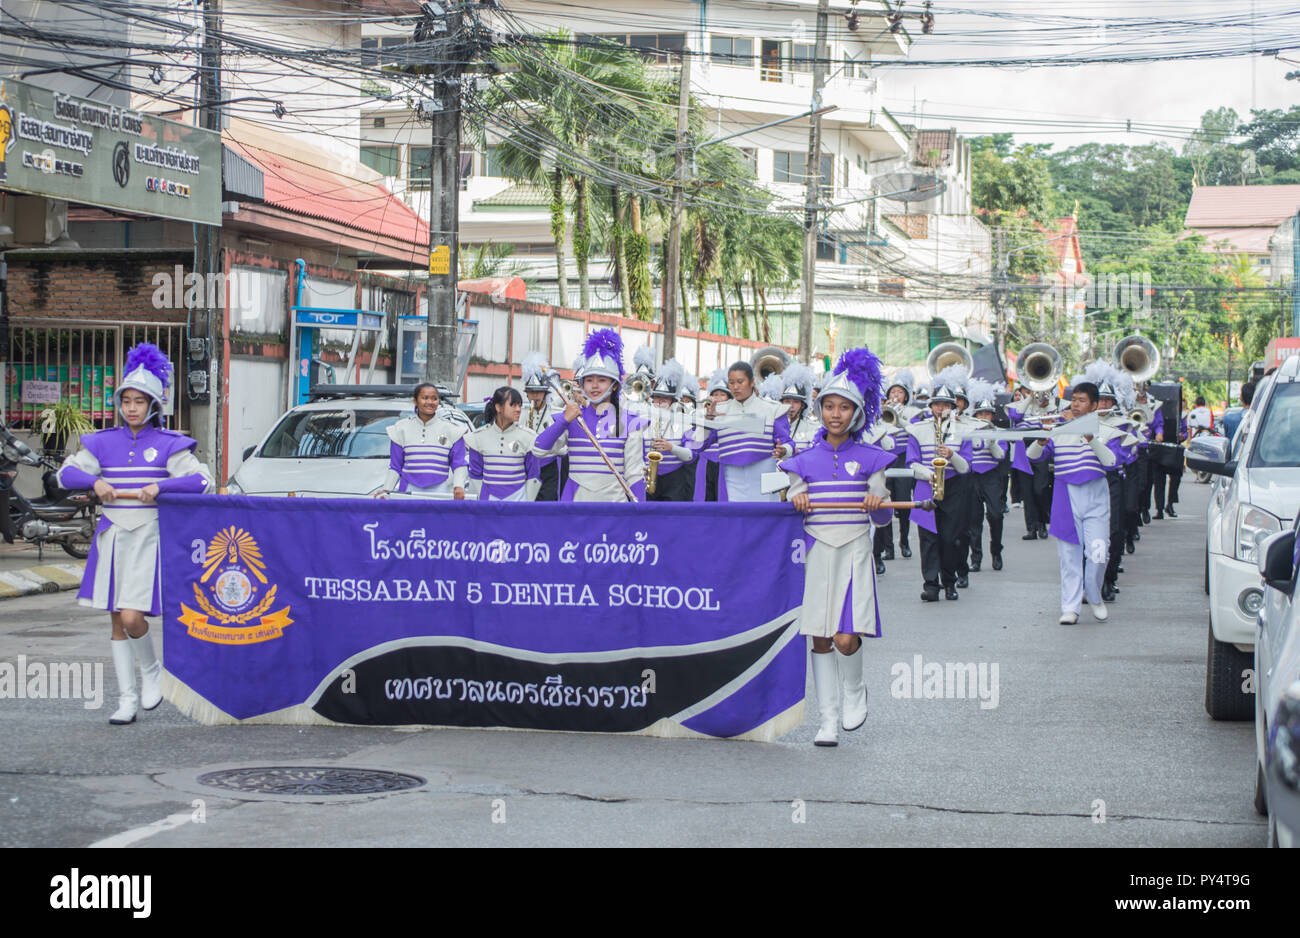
137, 834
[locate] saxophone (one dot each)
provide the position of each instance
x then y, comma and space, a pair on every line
938, 464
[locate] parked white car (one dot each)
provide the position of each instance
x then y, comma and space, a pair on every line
333, 447
1257, 498
1277, 686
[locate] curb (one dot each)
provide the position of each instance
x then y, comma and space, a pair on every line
43, 578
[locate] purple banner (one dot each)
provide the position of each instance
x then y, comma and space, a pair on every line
665, 619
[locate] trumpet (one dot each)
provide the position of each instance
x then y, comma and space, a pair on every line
891, 414
638, 388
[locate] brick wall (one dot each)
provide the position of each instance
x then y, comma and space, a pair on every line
111, 287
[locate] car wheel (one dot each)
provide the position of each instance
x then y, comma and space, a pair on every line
1224, 664
1261, 796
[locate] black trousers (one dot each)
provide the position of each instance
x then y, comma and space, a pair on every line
711, 473
943, 555
1133, 473
1037, 490
1115, 483
675, 486
1174, 477
900, 490
988, 490
551, 483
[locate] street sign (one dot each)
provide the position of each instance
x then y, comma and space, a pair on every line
62, 147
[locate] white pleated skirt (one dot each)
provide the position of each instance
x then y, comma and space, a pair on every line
839, 590
125, 572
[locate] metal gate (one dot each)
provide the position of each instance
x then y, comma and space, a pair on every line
85, 359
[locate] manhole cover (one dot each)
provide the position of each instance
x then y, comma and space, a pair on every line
310, 780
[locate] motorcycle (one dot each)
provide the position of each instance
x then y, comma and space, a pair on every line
62, 517
1203, 477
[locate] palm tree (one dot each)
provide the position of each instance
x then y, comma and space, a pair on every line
554, 112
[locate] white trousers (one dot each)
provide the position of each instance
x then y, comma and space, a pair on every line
745, 483
1084, 564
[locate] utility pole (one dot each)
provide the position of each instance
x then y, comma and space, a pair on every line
673, 263
444, 196
999, 300
1295, 274
206, 333
813, 197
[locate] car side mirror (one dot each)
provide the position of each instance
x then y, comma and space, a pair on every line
249, 452
1277, 561
1210, 454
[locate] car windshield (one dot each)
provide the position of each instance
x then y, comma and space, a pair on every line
1277, 438
331, 434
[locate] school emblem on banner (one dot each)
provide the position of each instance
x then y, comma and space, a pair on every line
234, 595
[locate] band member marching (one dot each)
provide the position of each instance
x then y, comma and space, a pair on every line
1036, 479
988, 484
501, 452
746, 437
669, 435
797, 428
605, 458
1124, 444
899, 403
1081, 507
708, 472
536, 417
930, 456
839, 601
426, 451
141, 460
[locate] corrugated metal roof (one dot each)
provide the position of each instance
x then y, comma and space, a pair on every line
1241, 206
240, 179
306, 189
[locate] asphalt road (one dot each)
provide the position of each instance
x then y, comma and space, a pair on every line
1098, 738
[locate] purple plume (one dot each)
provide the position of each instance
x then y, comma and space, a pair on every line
605, 342
863, 368
153, 359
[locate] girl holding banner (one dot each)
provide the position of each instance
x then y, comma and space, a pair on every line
128, 466
839, 599
501, 452
426, 452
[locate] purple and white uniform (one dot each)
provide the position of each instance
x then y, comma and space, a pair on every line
839, 570
426, 457
122, 570
503, 462
745, 441
922, 446
663, 423
1080, 511
797, 435
589, 478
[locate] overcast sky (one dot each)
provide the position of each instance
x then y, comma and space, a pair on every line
1173, 94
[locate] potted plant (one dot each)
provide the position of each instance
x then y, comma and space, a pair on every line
60, 424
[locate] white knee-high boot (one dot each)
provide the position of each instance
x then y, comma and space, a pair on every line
853, 687
150, 671
128, 701
828, 697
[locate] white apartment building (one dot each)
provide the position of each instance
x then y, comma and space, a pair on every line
751, 67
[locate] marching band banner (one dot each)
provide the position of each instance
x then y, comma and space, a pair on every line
669, 620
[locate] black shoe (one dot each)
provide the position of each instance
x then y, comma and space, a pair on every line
963, 581
930, 594
880, 567
1031, 536
1160, 515
1108, 592
951, 593
1129, 547
1146, 516
1169, 510
1042, 531
975, 566
904, 549
1119, 569
887, 553
997, 561
1137, 535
